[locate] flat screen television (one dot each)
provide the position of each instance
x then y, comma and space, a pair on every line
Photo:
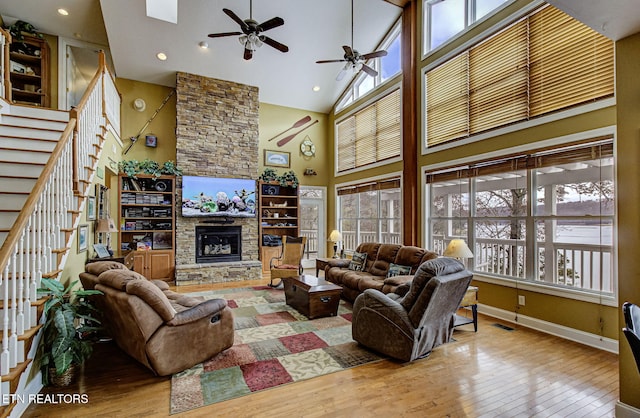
216, 196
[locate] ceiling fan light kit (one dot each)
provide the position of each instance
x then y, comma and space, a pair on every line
251, 37
353, 59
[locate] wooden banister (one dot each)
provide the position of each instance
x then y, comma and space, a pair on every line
7, 67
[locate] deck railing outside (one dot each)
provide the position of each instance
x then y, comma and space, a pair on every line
575, 266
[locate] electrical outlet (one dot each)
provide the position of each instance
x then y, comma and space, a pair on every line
521, 300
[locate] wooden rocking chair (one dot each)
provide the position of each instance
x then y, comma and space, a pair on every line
289, 264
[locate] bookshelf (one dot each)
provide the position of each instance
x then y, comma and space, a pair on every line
146, 219
29, 71
279, 215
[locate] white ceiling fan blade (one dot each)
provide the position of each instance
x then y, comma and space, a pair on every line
166, 10
341, 74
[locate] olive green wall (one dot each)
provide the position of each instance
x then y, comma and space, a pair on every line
274, 120
628, 200
163, 125
105, 175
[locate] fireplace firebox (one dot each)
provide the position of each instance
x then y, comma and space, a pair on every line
217, 244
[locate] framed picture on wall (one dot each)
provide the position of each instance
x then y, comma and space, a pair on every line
83, 236
91, 208
277, 158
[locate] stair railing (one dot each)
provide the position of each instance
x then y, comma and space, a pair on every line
5, 84
38, 243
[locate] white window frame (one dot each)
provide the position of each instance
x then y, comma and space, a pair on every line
600, 298
470, 6
397, 174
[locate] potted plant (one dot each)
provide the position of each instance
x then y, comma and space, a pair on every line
134, 167
68, 318
20, 28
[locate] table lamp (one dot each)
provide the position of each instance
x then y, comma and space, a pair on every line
334, 237
106, 226
457, 248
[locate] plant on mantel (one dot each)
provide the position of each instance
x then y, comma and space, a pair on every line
131, 168
288, 178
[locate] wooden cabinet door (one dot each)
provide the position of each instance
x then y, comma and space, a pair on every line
267, 254
160, 265
139, 262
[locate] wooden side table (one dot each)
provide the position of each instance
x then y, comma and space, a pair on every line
470, 299
321, 263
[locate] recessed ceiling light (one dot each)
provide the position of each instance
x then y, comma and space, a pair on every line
316, 88
161, 56
203, 45
63, 12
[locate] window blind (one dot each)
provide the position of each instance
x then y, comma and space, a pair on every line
594, 149
370, 135
371, 186
545, 62
570, 62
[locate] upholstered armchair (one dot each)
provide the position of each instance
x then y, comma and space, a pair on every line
409, 327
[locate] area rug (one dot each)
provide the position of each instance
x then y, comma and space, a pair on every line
274, 345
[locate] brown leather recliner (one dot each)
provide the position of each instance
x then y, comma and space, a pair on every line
409, 327
166, 331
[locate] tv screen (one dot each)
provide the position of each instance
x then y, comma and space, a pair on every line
215, 196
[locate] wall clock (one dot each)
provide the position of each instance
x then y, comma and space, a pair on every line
307, 148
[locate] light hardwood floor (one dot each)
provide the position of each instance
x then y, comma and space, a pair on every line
491, 373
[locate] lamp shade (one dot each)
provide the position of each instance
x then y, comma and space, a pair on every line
457, 248
335, 236
106, 225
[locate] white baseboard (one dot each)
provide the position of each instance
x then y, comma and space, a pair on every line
586, 338
626, 411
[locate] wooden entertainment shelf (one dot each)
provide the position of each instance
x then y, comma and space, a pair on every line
146, 219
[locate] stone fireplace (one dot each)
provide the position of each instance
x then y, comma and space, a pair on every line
216, 136
217, 244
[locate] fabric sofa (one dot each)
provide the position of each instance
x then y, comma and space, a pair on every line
166, 331
375, 271
409, 327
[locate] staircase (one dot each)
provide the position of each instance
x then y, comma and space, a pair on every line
48, 159
27, 137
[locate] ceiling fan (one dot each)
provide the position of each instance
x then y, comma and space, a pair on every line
252, 37
354, 59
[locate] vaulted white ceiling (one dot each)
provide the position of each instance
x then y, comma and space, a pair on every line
313, 30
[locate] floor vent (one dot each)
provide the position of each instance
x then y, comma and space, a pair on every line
504, 327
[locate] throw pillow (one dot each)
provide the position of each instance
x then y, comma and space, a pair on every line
358, 261
398, 270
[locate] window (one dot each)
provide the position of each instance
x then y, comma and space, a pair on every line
370, 135
543, 63
444, 19
546, 217
370, 212
387, 67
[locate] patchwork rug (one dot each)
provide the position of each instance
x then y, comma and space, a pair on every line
274, 345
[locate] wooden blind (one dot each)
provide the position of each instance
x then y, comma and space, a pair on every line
545, 62
448, 100
498, 79
371, 135
386, 184
593, 150
570, 62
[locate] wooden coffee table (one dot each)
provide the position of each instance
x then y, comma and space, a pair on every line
312, 296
